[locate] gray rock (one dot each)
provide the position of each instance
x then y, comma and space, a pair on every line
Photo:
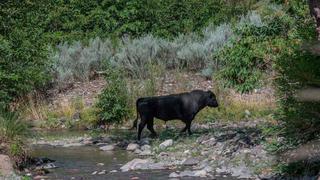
174, 175
146, 152
113, 171
107, 147
210, 142
145, 141
73, 144
190, 161
132, 147
197, 173
241, 172
131, 165
94, 173
145, 147
49, 166
166, 143
142, 164
222, 169
100, 164
137, 151
87, 142
102, 172
6, 166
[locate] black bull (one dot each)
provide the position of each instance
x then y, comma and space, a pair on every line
182, 106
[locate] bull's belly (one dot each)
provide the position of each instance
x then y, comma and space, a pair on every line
168, 118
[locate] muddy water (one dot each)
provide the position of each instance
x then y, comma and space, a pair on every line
81, 162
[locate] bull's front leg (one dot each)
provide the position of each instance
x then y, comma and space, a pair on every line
188, 126
188, 119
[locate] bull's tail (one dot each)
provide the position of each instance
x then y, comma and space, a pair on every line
135, 122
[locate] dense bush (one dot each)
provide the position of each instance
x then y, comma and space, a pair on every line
29, 26
256, 46
77, 61
163, 18
23, 64
297, 71
190, 51
112, 105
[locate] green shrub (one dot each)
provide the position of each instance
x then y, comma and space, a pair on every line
297, 71
11, 126
112, 105
255, 48
23, 58
13, 132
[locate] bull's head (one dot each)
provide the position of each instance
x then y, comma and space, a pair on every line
211, 99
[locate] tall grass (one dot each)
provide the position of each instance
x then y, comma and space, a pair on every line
13, 131
11, 126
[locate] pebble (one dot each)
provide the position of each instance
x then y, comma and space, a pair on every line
102, 172
107, 148
166, 143
132, 147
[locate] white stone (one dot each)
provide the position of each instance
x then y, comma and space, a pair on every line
145, 147
166, 143
146, 152
6, 167
100, 164
131, 164
107, 148
132, 147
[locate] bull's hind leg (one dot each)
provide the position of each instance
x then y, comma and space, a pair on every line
188, 126
150, 127
141, 126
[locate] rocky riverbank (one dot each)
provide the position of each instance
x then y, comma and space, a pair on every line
214, 150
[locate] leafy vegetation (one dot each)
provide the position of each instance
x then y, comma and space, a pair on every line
13, 131
78, 61
112, 105
58, 42
297, 69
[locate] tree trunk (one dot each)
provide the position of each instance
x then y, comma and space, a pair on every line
314, 6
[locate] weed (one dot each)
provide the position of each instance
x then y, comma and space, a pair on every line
11, 126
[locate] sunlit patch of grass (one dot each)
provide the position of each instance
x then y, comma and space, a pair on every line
236, 107
34, 107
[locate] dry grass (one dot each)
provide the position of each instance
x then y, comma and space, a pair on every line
234, 106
